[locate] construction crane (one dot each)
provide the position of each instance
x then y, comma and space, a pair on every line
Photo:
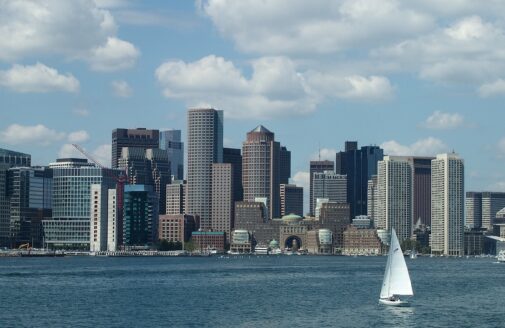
120, 180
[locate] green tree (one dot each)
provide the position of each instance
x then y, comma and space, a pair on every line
164, 245
189, 246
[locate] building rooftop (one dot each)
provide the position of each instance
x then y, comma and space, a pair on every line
262, 129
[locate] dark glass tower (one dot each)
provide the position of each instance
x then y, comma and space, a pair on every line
140, 138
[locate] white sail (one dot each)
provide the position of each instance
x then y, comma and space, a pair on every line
396, 278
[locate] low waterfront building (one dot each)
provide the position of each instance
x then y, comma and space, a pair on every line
361, 242
241, 242
177, 227
209, 240
474, 241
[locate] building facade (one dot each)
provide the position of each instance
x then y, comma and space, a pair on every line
222, 198
176, 197
233, 156
205, 147
139, 138
291, 198
328, 184
140, 216
285, 165
447, 204
178, 227
482, 207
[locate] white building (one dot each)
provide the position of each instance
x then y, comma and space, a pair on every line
447, 204
395, 199
113, 227
103, 219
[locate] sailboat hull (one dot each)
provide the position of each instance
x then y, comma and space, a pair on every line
393, 303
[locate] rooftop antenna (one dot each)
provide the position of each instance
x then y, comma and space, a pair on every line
319, 150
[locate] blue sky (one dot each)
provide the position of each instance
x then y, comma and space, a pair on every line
417, 77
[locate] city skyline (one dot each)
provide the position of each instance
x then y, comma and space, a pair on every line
143, 65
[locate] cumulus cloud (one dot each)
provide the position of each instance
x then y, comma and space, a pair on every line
78, 136
103, 154
443, 121
72, 29
69, 151
275, 88
496, 88
324, 154
39, 134
425, 147
37, 78
121, 89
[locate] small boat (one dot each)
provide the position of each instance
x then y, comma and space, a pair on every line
501, 257
396, 281
413, 254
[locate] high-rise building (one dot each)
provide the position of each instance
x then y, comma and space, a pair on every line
328, 184
114, 222
317, 166
285, 165
29, 192
170, 141
205, 147
447, 203
139, 138
147, 167
359, 166
482, 207
222, 198
372, 201
72, 180
8, 159
395, 196
140, 216
421, 167
261, 169
98, 218
233, 156
176, 197
291, 199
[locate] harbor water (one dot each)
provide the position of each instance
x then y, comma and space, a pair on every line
245, 291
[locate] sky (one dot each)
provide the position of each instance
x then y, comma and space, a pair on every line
416, 77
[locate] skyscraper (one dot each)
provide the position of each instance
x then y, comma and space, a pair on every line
473, 210
328, 184
317, 166
261, 169
234, 157
481, 208
72, 180
291, 200
395, 196
372, 201
447, 202
285, 165
205, 147
140, 138
422, 189
170, 141
222, 198
176, 197
359, 166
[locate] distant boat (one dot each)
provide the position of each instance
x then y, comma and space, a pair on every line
413, 254
501, 256
396, 277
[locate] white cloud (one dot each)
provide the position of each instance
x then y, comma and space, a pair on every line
82, 112
39, 134
121, 89
443, 121
425, 147
324, 154
37, 78
496, 88
78, 136
103, 154
72, 29
114, 55
69, 151
276, 87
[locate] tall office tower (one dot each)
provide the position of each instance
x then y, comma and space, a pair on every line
234, 157
140, 216
291, 199
285, 165
114, 222
29, 192
447, 201
473, 210
8, 159
176, 197
359, 166
372, 202
261, 169
422, 189
317, 166
222, 198
395, 196
147, 167
328, 184
205, 147
140, 138
98, 218
481, 208
72, 180
170, 141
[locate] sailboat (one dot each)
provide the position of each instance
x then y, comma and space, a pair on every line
396, 277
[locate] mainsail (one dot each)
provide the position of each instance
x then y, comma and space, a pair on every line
396, 278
